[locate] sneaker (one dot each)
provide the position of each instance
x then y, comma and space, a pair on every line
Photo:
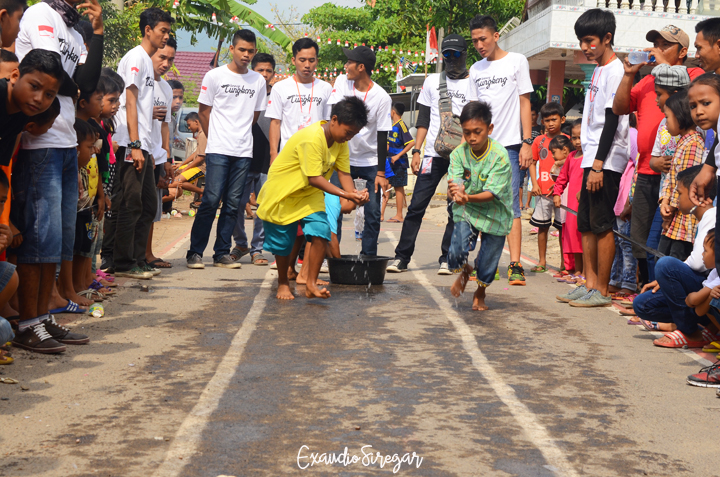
273, 266
516, 274
226, 261
592, 300
106, 264
36, 338
708, 377
397, 266
149, 268
325, 268
578, 292
135, 272
195, 261
64, 335
443, 270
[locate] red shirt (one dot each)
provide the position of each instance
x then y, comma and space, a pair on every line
643, 101
544, 162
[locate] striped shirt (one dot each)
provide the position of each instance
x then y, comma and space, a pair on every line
490, 172
689, 153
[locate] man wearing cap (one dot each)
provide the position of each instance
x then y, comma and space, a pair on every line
427, 165
368, 149
670, 46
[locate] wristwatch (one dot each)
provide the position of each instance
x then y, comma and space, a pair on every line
135, 144
528, 141
416, 151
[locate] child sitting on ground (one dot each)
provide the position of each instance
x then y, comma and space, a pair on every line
8, 276
553, 117
480, 183
569, 182
293, 195
700, 300
193, 167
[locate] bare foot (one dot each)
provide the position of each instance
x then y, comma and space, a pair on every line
285, 293
292, 274
479, 300
458, 287
82, 301
300, 280
312, 291
613, 289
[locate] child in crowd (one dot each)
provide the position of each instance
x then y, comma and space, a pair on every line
569, 182
400, 141
678, 228
8, 275
8, 62
480, 183
193, 167
700, 300
553, 117
293, 196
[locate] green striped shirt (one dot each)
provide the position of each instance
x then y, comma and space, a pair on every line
489, 173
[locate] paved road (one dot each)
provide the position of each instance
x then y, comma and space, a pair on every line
209, 375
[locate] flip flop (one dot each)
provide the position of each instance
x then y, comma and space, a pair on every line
539, 269
160, 263
71, 307
651, 325
631, 322
394, 221
713, 347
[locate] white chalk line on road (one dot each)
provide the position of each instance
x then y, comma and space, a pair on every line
186, 440
535, 432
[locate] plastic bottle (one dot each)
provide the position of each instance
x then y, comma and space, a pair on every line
97, 310
637, 57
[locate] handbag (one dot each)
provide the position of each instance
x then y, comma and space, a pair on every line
450, 132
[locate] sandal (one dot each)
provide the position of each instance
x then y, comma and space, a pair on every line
679, 340
651, 325
5, 358
237, 253
561, 274
539, 269
713, 347
159, 263
259, 260
71, 307
105, 276
93, 295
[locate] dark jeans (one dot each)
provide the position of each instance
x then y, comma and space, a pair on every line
679, 249
423, 192
136, 198
653, 241
676, 281
224, 180
717, 242
644, 205
371, 232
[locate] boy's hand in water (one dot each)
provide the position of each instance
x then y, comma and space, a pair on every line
359, 197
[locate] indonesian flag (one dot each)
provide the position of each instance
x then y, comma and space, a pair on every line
431, 46
46, 30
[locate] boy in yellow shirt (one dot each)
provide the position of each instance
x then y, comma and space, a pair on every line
293, 194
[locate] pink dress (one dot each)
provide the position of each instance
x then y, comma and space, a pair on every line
570, 178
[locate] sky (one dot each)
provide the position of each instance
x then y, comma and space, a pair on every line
263, 8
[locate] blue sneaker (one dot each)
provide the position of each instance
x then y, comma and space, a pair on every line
579, 292
592, 300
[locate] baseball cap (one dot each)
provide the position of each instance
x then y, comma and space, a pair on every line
671, 33
667, 76
361, 54
454, 42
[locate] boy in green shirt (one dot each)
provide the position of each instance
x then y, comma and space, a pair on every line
480, 180
293, 194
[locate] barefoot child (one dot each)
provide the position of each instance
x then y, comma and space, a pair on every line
481, 186
192, 168
293, 193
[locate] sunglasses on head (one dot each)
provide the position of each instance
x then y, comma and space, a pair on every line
452, 53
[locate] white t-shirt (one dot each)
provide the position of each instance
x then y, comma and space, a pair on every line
136, 68
162, 97
42, 27
598, 98
363, 147
234, 98
430, 95
695, 260
713, 279
500, 83
285, 105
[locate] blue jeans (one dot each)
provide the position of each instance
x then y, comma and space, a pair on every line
224, 180
653, 241
624, 268
44, 208
423, 192
486, 263
253, 183
6, 332
371, 232
676, 281
518, 177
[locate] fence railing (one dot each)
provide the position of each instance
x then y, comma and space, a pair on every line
684, 7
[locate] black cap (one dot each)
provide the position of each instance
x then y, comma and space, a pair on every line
454, 42
361, 54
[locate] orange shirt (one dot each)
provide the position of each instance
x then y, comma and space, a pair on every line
544, 162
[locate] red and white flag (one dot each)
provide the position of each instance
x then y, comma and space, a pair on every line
46, 30
431, 46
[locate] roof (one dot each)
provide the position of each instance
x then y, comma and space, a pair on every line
191, 67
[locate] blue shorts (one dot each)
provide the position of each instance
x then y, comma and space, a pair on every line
279, 239
518, 177
333, 209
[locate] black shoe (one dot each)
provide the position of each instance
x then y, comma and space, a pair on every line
62, 334
397, 266
36, 338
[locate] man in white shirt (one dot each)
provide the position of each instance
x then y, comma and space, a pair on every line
502, 80
50, 26
163, 60
429, 167
134, 194
368, 150
231, 99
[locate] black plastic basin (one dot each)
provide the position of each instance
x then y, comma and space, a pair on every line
358, 270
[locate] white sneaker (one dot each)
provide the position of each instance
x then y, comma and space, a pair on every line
444, 270
324, 267
273, 265
397, 266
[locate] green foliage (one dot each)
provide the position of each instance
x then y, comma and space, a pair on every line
122, 30
573, 93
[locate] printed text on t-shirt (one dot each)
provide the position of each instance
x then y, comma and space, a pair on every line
488, 82
237, 90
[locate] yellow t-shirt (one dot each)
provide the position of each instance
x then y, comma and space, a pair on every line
287, 196
93, 176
